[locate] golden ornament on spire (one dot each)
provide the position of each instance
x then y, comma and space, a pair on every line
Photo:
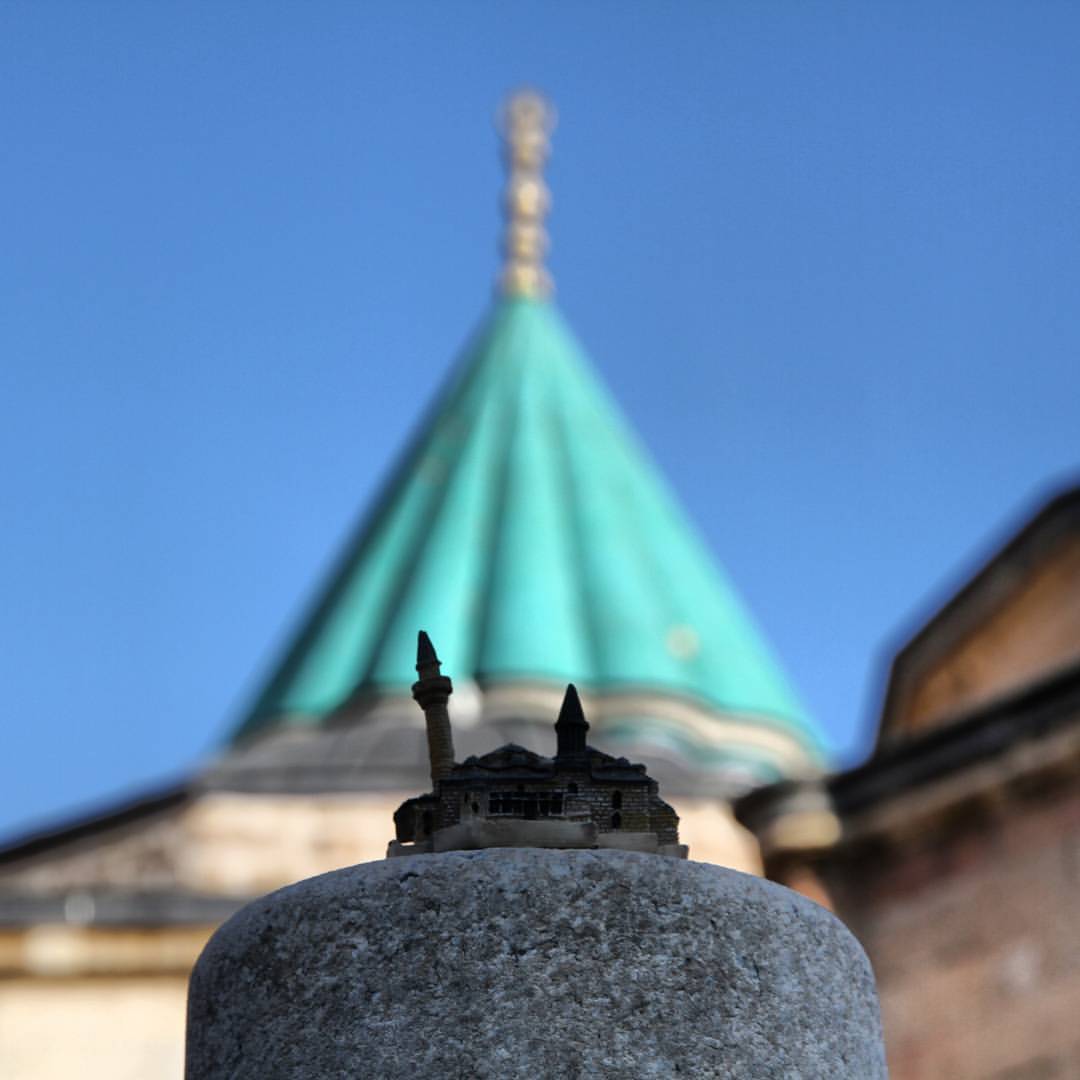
527, 121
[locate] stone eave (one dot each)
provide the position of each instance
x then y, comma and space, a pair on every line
340, 755
59, 951
115, 908
987, 733
1025, 746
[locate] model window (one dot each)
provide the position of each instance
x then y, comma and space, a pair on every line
616, 801
526, 804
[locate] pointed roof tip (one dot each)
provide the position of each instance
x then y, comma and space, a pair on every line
425, 651
571, 711
526, 123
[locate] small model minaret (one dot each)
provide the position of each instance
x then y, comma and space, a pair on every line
432, 692
571, 728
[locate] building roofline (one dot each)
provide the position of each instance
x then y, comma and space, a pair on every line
977, 735
83, 826
987, 589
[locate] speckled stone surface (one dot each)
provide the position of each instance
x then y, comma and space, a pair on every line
533, 963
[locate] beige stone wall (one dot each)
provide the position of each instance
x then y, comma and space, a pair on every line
245, 845
714, 836
222, 844
118, 996
240, 845
975, 941
92, 1028
249, 844
1035, 633
62, 950
88, 1002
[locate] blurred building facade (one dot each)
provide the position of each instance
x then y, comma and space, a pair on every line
958, 858
528, 532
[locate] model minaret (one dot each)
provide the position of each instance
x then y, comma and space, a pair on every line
432, 692
571, 727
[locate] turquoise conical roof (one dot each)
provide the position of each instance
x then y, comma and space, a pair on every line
529, 533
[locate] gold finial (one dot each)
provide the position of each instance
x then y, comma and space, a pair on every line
527, 121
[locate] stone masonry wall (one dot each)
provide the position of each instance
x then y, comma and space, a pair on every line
634, 812
974, 937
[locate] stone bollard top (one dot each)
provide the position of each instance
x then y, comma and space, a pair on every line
532, 963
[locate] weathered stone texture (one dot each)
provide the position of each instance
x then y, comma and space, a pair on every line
524, 963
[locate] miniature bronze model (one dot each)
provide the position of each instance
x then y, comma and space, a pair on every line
511, 797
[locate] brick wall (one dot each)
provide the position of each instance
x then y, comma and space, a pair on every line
633, 813
974, 934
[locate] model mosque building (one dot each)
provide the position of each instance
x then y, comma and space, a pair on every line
513, 797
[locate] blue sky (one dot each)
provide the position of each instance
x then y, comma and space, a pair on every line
825, 255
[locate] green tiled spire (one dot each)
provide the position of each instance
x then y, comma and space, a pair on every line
530, 535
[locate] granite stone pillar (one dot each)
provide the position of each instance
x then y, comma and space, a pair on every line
533, 963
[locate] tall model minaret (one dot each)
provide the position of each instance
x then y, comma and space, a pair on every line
432, 692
